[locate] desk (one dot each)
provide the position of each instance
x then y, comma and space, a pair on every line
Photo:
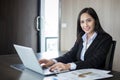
8, 73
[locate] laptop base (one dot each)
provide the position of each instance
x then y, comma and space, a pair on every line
19, 67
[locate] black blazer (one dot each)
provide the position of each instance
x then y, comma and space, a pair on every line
94, 56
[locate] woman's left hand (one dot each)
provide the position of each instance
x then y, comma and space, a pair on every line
60, 67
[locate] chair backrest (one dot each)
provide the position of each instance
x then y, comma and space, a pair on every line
110, 56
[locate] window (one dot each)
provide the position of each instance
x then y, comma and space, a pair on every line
49, 25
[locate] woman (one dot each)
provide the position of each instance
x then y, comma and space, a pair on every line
90, 48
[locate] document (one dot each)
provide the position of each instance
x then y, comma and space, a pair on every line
84, 74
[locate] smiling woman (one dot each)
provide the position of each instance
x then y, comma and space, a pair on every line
108, 13
91, 46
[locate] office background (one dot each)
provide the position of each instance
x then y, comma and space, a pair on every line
108, 13
17, 23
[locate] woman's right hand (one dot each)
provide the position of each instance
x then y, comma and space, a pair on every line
46, 62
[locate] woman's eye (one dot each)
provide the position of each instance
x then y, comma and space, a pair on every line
81, 21
89, 20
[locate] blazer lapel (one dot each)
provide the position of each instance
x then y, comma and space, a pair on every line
80, 49
92, 46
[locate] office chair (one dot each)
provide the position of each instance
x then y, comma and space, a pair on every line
110, 56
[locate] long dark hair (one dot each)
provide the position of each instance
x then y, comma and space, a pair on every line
93, 14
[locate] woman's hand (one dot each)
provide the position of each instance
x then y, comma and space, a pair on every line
46, 62
60, 67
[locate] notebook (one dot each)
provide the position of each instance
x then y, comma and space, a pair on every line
30, 60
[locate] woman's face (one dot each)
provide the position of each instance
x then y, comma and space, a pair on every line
87, 23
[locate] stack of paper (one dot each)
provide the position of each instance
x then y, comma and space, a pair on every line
84, 74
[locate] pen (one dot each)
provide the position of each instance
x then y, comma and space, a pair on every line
83, 74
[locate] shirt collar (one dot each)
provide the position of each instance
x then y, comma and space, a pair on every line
84, 37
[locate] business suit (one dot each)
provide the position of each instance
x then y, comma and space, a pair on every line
94, 56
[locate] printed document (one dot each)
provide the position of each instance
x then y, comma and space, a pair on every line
84, 74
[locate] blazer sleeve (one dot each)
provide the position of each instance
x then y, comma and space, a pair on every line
95, 58
70, 56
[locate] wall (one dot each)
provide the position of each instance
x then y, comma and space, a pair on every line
17, 25
108, 12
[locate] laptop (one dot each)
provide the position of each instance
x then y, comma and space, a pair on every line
31, 62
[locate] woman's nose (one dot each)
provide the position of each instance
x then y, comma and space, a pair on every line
85, 24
